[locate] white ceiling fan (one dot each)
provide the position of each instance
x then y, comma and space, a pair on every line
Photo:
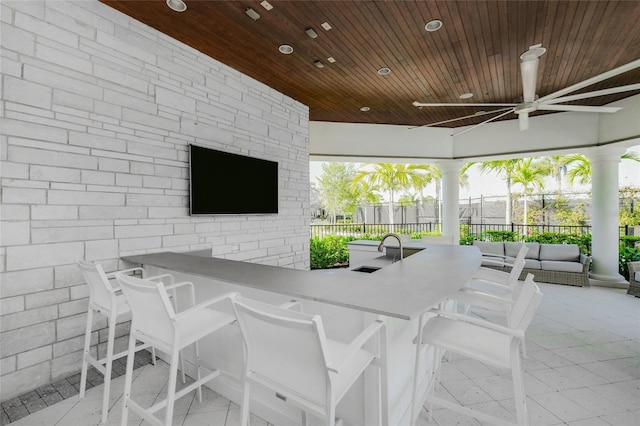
529, 70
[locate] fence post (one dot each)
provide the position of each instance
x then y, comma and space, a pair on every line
513, 228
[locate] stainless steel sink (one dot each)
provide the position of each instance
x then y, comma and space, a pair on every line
367, 269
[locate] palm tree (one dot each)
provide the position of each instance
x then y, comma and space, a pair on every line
365, 194
581, 166
555, 166
530, 176
505, 169
580, 169
391, 178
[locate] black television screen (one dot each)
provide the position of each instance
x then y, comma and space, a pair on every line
224, 183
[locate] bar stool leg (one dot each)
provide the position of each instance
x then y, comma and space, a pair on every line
244, 421
518, 387
198, 374
108, 367
416, 367
128, 379
85, 355
171, 391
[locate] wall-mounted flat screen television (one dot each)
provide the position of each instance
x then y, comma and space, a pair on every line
225, 183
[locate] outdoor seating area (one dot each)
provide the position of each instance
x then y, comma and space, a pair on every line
549, 263
581, 368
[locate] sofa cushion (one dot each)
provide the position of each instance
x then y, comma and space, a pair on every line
637, 276
528, 263
562, 266
511, 249
560, 252
489, 247
532, 264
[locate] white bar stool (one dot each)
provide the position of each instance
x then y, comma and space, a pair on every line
155, 322
288, 352
105, 298
483, 341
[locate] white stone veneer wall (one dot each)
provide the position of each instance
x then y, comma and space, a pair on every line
98, 111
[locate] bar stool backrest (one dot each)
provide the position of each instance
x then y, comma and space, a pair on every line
285, 349
526, 305
101, 295
518, 265
151, 312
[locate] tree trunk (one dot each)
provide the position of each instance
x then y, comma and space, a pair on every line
508, 218
391, 195
524, 202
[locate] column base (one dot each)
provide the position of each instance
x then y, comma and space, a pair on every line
612, 281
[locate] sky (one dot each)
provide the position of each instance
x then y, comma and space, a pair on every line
488, 184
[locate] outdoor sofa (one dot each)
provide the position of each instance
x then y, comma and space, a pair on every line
549, 263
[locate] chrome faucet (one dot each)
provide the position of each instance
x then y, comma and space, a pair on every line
384, 237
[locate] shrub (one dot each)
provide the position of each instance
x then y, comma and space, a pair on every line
500, 236
627, 254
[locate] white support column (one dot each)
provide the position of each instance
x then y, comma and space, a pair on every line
451, 198
605, 232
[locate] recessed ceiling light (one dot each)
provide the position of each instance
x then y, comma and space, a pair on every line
252, 14
318, 64
466, 95
177, 5
326, 26
311, 33
479, 112
384, 70
365, 109
266, 5
434, 25
331, 59
285, 49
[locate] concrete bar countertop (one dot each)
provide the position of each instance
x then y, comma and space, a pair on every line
404, 289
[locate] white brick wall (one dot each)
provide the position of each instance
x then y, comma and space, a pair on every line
98, 112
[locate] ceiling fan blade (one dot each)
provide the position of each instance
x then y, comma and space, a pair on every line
586, 95
484, 122
523, 120
624, 68
421, 104
579, 108
478, 114
529, 71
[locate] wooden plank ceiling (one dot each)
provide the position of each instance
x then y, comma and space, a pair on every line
477, 50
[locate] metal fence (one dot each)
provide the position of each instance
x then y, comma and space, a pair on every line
476, 229
358, 229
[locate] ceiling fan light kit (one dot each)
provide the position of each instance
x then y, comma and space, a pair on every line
531, 102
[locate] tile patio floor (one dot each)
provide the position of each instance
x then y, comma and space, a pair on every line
583, 368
